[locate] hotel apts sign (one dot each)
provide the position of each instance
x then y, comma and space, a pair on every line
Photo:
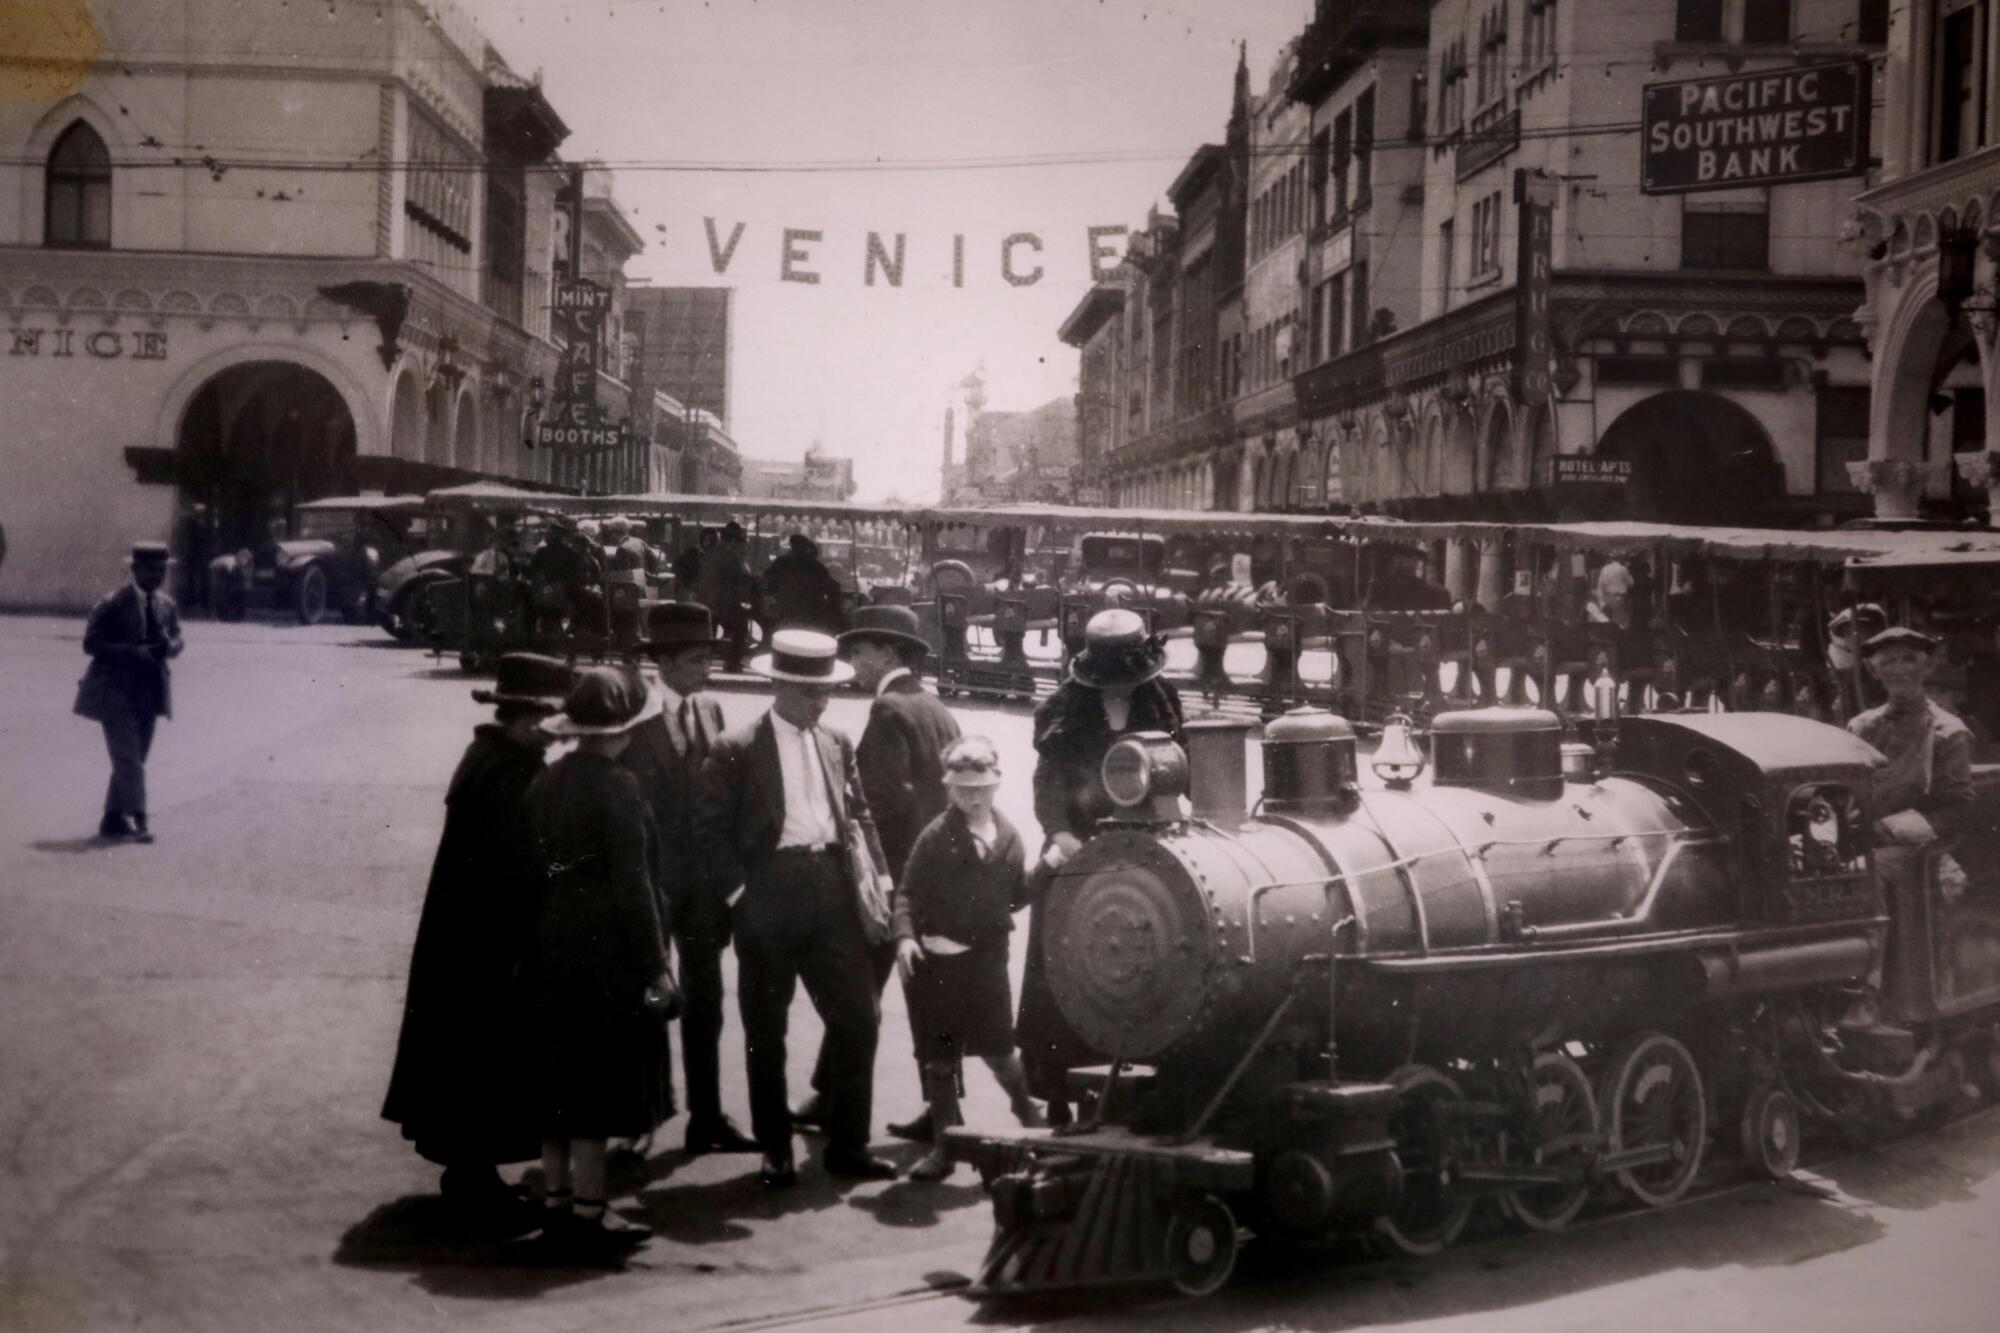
1770, 127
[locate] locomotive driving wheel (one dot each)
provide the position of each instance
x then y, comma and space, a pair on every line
1653, 1099
1430, 1215
1201, 1245
1562, 1133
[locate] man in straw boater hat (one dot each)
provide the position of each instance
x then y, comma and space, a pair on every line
1924, 792
1114, 689
900, 757
779, 800
666, 755
454, 1087
600, 991
130, 637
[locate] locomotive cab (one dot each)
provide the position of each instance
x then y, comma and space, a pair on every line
1792, 794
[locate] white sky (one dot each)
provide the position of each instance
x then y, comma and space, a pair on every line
871, 369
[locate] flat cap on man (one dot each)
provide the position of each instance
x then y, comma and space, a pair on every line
1899, 636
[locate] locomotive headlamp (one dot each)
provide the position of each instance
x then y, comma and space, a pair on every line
1148, 767
1397, 760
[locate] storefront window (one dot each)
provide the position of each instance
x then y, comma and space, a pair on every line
79, 191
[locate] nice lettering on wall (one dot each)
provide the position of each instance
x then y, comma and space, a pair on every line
807, 256
1766, 127
81, 344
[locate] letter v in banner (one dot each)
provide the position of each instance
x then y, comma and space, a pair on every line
1535, 195
720, 255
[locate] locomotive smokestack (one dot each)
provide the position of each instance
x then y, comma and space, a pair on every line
1220, 786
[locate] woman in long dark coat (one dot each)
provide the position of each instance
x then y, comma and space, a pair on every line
1113, 690
600, 991
456, 1088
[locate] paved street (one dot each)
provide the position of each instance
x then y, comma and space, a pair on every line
196, 1037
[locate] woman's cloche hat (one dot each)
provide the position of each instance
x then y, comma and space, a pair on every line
1118, 650
530, 680
604, 701
803, 657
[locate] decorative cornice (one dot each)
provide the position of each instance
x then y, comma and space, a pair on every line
156, 286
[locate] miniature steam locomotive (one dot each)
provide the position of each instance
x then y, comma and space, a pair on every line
1537, 969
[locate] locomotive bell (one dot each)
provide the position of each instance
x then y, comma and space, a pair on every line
1397, 760
1309, 763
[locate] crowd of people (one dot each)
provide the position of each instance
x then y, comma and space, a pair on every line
590, 901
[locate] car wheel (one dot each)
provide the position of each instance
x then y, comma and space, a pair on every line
417, 616
310, 598
358, 606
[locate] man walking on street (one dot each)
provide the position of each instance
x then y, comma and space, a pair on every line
131, 636
727, 590
900, 756
779, 803
666, 755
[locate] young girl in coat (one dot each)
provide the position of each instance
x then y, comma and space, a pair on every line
954, 914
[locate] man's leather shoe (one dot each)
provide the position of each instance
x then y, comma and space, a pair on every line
718, 1136
140, 833
811, 1111
918, 1130
858, 1166
778, 1173
113, 826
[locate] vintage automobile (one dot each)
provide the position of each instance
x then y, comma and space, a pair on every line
329, 566
1129, 570
455, 523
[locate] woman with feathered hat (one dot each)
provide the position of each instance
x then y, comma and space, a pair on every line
1114, 689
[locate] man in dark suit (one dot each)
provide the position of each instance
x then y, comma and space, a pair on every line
902, 769
666, 755
777, 802
130, 637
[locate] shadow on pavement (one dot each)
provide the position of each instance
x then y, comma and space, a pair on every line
73, 846
717, 1212
453, 1255
914, 1203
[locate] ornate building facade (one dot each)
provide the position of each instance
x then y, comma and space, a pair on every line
1703, 345
1929, 233
310, 252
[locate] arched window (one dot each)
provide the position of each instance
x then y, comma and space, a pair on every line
79, 191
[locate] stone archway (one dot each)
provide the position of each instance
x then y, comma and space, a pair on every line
406, 419
1460, 471
255, 441
465, 432
1497, 460
1696, 457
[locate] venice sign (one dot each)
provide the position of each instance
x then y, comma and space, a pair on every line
1767, 127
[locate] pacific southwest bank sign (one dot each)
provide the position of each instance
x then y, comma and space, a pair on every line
1771, 127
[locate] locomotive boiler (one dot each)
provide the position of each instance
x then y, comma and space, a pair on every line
1516, 970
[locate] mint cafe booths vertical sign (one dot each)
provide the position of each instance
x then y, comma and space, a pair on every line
1768, 127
